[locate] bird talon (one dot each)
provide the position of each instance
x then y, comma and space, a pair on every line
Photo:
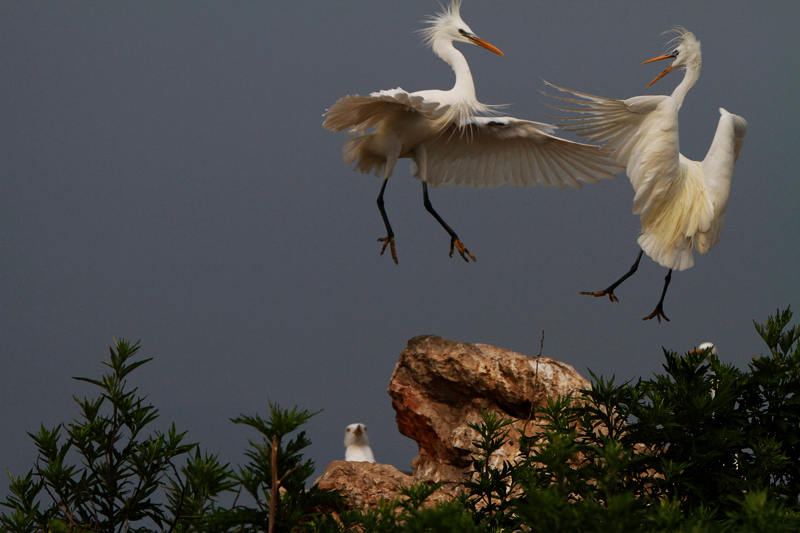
461, 250
600, 294
389, 241
657, 313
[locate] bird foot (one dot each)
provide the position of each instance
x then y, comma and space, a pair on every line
658, 313
389, 241
600, 294
455, 242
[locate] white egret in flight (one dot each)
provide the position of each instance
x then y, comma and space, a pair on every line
448, 143
681, 202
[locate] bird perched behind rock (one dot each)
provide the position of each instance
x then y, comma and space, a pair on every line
356, 444
706, 346
702, 348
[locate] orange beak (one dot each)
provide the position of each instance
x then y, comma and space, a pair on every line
666, 70
484, 44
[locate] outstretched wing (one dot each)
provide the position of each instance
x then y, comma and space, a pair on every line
493, 151
640, 133
717, 168
359, 113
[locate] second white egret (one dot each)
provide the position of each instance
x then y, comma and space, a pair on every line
681, 203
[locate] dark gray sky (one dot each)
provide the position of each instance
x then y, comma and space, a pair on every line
164, 176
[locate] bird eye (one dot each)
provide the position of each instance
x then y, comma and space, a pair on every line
462, 32
675, 52
347, 430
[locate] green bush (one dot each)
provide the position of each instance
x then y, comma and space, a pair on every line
704, 447
108, 476
124, 478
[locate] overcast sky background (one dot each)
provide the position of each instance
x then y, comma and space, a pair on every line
165, 176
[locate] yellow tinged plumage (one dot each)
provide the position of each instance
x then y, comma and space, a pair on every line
669, 226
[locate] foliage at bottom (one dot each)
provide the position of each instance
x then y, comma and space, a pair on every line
703, 447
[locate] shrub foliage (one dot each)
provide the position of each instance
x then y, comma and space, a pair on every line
702, 447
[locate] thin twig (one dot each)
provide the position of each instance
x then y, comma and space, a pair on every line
236, 499
539, 355
273, 496
535, 384
60, 501
287, 474
183, 494
111, 491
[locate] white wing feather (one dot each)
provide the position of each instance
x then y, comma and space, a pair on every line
640, 133
359, 113
493, 151
717, 168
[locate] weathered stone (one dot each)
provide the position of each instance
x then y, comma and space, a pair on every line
366, 484
439, 386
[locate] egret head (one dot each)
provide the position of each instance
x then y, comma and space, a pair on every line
447, 27
686, 53
708, 345
356, 434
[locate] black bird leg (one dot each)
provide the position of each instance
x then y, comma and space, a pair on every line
454, 240
389, 239
659, 310
610, 290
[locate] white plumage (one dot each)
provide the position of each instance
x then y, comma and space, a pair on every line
356, 444
712, 353
705, 346
448, 143
681, 203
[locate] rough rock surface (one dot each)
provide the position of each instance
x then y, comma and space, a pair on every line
366, 484
439, 386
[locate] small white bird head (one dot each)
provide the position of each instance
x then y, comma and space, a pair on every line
447, 27
705, 346
356, 444
356, 434
686, 54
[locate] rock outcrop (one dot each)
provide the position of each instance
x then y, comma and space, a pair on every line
437, 388
366, 484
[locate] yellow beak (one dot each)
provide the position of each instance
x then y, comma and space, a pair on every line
488, 46
666, 70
